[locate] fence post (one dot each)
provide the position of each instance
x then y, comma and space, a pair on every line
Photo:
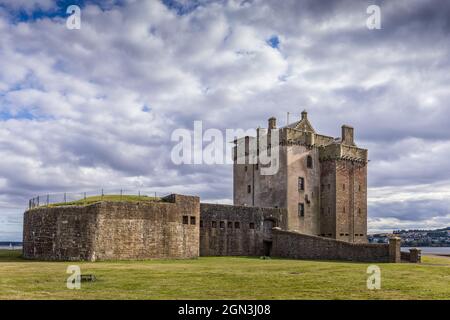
48, 200
120, 194
102, 194
65, 197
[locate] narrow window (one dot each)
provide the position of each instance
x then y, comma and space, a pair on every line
214, 224
359, 210
301, 184
249, 189
222, 225
192, 220
329, 186
185, 220
321, 211
301, 209
237, 225
359, 188
343, 187
201, 223
309, 162
256, 167
251, 225
329, 210
229, 225
344, 209
245, 168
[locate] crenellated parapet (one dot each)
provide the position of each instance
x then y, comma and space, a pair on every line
339, 151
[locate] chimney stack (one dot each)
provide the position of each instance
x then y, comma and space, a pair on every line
347, 135
272, 123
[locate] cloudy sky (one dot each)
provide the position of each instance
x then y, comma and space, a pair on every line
95, 108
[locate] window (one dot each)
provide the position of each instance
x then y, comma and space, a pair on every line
185, 220
329, 186
214, 224
256, 167
309, 162
341, 234
301, 184
344, 210
229, 225
301, 209
329, 210
192, 220
237, 225
249, 189
245, 168
321, 211
359, 187
359, 210
343, 187
201, 223
251, 225
222, 224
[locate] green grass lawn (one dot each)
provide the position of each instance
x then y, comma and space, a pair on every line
223, 278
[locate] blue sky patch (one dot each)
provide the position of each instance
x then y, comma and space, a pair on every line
274, 42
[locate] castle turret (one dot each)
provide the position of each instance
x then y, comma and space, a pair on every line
304, 115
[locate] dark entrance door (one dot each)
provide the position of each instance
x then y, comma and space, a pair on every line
267, 248
268, 224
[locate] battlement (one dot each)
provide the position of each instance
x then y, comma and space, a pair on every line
340, 151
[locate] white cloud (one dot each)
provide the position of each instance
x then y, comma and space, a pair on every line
82, 109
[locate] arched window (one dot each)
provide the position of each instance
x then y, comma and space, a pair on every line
309, 162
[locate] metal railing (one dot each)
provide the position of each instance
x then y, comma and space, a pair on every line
68, 198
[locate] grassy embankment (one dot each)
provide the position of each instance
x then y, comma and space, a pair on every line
94, 199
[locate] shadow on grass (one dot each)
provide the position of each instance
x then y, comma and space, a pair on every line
16, 256
11, 256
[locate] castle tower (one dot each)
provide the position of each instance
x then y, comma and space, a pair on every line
321, 180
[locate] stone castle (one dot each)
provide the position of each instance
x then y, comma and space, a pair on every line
314, 207
321, 180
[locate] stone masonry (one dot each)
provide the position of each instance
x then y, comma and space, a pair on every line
114, 230
321, 181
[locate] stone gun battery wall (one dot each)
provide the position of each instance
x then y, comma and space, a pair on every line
228, 230
114, 230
